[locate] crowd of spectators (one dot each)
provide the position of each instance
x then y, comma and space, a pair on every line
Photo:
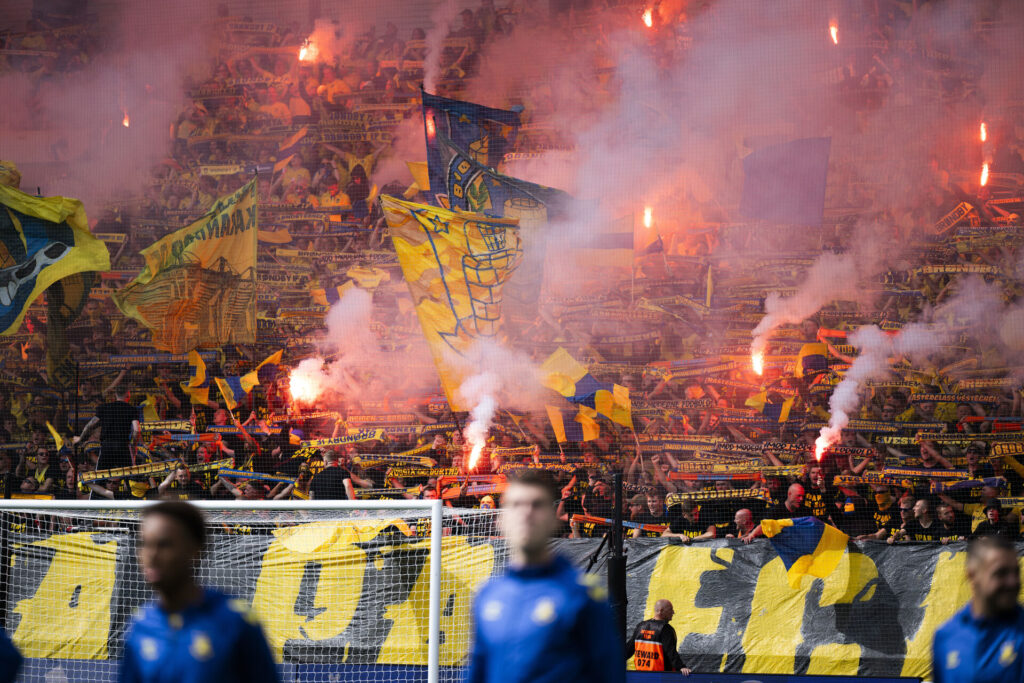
317, 129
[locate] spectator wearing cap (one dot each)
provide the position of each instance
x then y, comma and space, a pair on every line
995, 524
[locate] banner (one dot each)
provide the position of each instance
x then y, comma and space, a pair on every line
456, 265
72, 594
42, 241
198, 287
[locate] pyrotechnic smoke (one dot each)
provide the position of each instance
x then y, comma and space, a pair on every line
977, 307
495, 376
441, 19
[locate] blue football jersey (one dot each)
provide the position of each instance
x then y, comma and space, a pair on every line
10, 659
216, 641
970, 650
542, 624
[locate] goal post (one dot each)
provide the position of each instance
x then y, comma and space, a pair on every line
345, 590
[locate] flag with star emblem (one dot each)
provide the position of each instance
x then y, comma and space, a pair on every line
456, 265
483, 132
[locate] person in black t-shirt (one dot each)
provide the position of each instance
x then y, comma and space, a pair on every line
179, 485
819, 497
684, 523
329, 483
791, 508
923, 527
119, 426
885, 515
958, 526
995, 524
742, 526
653, 513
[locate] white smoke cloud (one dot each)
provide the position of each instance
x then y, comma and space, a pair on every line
444, 14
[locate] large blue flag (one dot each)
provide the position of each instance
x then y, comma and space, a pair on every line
483, 132
785, 183
472, 186
806, 545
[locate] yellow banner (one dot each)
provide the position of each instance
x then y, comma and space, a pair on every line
198, 288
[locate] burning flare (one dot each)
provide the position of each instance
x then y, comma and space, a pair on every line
303, 385
833, 30
474, 455
431, 126
308, 51
648, 17
125, 121
757, 362
984, 132
984, 175
648, 217
820, 445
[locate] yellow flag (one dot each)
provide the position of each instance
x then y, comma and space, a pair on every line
456, 265
198, 288
42, 240
56, 436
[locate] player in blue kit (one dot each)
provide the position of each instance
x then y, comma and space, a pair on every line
191, 634
10, 659
543, 620
985, 640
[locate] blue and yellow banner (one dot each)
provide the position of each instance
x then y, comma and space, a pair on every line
806, 545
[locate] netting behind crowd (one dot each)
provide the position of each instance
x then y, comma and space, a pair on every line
336, 592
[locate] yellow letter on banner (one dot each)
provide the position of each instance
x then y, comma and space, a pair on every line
69, 615
464, 568
676, 577
329, 544
948, 593
842, 587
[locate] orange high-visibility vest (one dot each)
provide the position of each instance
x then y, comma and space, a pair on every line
649, 654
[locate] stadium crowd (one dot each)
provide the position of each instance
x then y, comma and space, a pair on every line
713, 447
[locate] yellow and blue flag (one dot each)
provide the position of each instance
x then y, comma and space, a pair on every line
473, 186
235, 389
42, 241
484, 132
198, 386
776, 412
577, 427
456, 265
251, 378
570, 378
806, 545
812, 360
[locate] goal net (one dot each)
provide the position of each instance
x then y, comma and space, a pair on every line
359, 591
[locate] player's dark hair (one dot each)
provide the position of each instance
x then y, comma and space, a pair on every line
537, 478
980, 544
187, 516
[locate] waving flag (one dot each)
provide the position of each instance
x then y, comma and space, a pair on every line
483, 132
42, 241
198, 287
577, 427
570, 378
472, 186
806, 545
456, 266
198, 386
786, 183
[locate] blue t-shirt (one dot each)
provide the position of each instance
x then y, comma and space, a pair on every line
970, 650
542, 624
216, 641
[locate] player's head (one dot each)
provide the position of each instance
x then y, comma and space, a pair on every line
994, 575
528, 511
663, 610
171, 537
